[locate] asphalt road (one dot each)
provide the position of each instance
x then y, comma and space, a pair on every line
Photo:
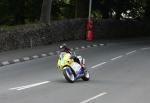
120, 73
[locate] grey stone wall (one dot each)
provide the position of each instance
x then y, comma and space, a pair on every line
40, 34
28, 36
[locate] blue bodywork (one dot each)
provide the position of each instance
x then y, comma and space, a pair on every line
78, 75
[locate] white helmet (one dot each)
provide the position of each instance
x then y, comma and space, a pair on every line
62, 46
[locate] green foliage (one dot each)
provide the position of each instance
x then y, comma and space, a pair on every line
147, 10
19, 11
121, 9
63, 9
14, 12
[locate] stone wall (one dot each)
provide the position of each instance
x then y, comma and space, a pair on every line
40, 34
28, 36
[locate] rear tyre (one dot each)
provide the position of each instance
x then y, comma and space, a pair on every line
86, 76
69, 76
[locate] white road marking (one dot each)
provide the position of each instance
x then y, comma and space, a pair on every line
101, 44
88, 46
16, 60
131, 52
35, 56
5, 63
95, 45
82, 47
76, 48
26, 58
95, 66
117, 57
145, 48
71, 49
97, 96
51, 53
43, 55
29, 86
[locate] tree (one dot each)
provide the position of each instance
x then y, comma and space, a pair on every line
46, 11
63, 9
82, 8
147, 11
12, 11
133, 9
33, 10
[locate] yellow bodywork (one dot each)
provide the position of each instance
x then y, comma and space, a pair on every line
64, 60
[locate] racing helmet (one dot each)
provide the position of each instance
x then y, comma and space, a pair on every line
62, 47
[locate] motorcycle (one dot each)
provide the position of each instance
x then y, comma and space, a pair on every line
73, 68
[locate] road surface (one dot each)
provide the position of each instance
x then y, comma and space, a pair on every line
120, 73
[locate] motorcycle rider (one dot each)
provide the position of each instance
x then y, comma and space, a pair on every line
81, 65
64, 48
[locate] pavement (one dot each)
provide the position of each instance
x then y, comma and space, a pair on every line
21, 55
119, 73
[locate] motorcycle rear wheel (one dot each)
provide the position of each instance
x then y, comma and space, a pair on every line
86, 76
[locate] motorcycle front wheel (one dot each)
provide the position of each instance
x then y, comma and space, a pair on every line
68, 74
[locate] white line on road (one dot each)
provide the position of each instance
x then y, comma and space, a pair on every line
76, 48
35, 56
95, 66
97, 96
26, 58
82, 47
51, 53
29, 86
145, 48
101, 44
5, 63
16, 60
118, 57
95, 45
43, 55
131, 52
88, 46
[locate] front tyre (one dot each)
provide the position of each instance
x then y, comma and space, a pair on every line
86, 76
69, 76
